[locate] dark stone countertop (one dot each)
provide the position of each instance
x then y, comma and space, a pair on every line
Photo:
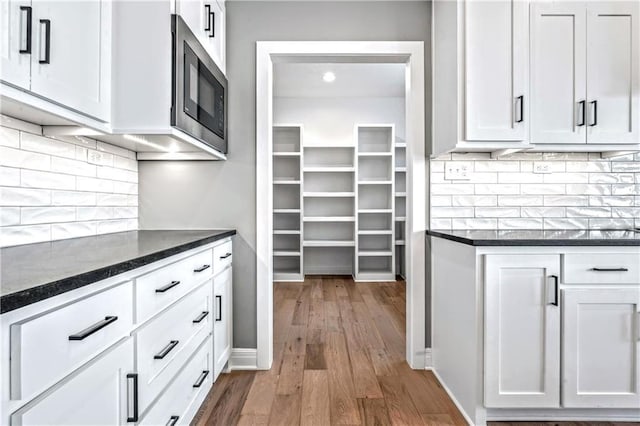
586, 237
34, 272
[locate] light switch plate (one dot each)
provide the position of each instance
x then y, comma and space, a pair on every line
457, 170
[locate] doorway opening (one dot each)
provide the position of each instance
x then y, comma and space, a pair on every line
341, 185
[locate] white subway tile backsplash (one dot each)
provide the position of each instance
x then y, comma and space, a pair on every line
62, 187
538, 191
37, 215
44, 145
49, 180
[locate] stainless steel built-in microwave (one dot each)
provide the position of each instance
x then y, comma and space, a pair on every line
199, 93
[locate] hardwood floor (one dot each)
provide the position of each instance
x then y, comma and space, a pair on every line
338, 360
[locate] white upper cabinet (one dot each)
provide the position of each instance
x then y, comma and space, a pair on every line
601, 341
522, 338
60, 51
558, 73
613, 72
15, 19
70, 63
585, 73
496, 55
206, 19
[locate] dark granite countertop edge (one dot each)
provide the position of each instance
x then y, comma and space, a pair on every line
12, 301
555, 242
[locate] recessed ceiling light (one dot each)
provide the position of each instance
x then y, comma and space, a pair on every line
329, 77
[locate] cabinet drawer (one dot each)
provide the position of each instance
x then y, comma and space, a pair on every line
166, 342
601, 268
158, 289
185, 394
93, 396
46, 348
222, 256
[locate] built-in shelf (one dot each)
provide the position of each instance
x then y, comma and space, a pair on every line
375, 182
401, 194
374, 154
401, 170
372, 211
375, 232
328, 194
329, 219
286, 211
328, 169
328, 243
401, 219
401, 145
283, 253
286, 182
399, 242
286, 232
375, 253
286, 154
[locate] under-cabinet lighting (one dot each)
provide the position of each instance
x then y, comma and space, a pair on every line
143, 141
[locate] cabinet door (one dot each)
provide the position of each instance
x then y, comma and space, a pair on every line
15, 19
613, 72
601, 360
522, 331
497, 61
194, 14
71, 60
216, 37
222, 323
94, 396
558, 73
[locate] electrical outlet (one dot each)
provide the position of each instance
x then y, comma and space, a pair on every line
541, 167
457, 170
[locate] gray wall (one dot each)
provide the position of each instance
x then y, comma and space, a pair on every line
214, 195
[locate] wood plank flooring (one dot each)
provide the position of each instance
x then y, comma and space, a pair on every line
338, 360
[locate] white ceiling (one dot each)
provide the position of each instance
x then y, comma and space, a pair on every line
352, 80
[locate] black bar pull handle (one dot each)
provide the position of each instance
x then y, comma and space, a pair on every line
583, 113
169, 286
219, 300
207, 11
132, 397
47, 41
212, 19
172, 421
556, 290
610, 269
595, 113
520, 102
200, 317
225, 256
200, 380
165, 351
202, 268
93, 329
28, 24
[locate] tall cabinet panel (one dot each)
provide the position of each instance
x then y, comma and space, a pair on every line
613, 72
558, 72
497, 61
522, 339
15, 42
601, 362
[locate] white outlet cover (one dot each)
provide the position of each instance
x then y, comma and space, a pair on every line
541, 167
458, 170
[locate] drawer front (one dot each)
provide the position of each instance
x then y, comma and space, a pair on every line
185, 394
222, 256
94, 396
46, 348
167, 341
601, 268
160, 288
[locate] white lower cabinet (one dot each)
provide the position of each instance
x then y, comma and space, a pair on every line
601, 341
222, 322
93, 396
522, 340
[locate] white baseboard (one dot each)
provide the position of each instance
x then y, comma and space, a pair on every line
428, 361
243, 359
453, 398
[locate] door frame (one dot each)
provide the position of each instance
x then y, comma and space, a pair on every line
410, 53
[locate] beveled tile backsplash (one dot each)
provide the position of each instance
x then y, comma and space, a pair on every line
61, 188
537, 191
